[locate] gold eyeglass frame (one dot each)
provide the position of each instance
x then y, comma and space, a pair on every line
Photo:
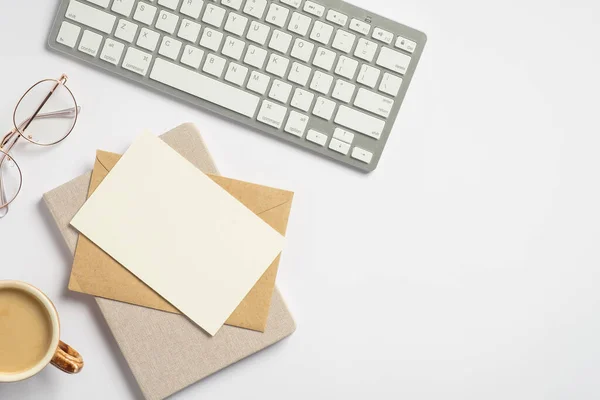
11, 138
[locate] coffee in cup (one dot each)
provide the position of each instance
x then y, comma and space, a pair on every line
29, 334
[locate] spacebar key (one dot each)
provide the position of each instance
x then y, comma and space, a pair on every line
204, 87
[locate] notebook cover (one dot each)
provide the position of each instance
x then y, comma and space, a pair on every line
166, 352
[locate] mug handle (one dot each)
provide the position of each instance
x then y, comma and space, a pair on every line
67, 359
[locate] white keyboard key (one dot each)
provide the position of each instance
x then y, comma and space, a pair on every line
296, 124
137, 61
189, 30
390, 84
203, 87
324, 108
233, 48
258, 82
90, 16
148, 39
255, 56
360, 26
393, 60
211, 39
68, 34
383, 36
368, 76
213, 15
277, 15
214, 65
343, 91
235, 4
123, 7
277, 65
191, 8
280, 91
405, 44
170, 48
256, 8
373, 102
362, 155
314, 8
236, 24
337, 17
101, 3
299, 24
321, 32
302, 99
359, 122
299, 74
172, 4
90, 43
343, 135
321, 82
126, 30
339, 146
316, 137
343, 41
144, 13
112, 51
293, 3
280, 41
192, 56
324, 59
271, 114
236, 74
302, 50
365, 50
167, 22
258, 32
346, 67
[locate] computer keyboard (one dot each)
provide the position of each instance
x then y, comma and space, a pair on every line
325, 75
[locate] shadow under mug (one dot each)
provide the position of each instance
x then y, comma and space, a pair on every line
59, 354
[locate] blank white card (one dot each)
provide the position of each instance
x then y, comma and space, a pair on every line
179, 232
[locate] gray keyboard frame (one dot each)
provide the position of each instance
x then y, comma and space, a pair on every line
316, 123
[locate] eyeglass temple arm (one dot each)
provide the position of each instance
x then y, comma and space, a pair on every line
67, 112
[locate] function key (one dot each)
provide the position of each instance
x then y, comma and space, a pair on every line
383, 36
405, 44
360, 27
314, 8
292, 3
337, 17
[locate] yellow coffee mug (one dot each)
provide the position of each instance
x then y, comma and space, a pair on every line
30, 334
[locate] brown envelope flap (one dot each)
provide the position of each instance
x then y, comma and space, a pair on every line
261, 200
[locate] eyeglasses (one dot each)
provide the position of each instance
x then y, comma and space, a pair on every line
45, 115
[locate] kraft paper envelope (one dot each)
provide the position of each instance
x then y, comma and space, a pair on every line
179, 232
96, 273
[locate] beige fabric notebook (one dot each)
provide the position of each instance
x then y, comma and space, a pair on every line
141, 333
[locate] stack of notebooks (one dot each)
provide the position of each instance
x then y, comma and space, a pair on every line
134, 255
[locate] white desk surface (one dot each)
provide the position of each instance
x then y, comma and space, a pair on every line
465, 267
